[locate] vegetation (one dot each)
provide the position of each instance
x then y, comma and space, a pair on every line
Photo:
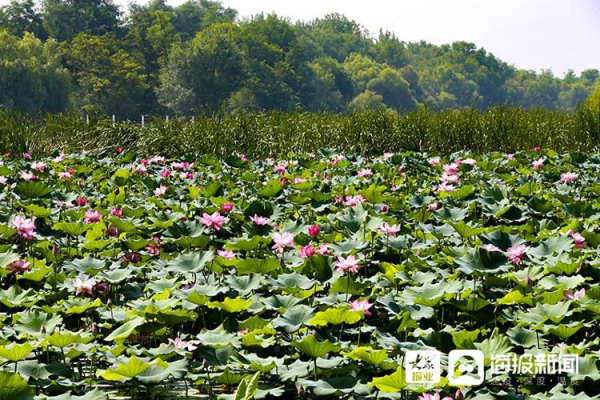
155, 59
277, 133
301, 277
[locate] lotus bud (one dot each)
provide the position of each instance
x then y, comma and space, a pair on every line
205, 363
43, 329
109, 302
95, 329
301, 391
459, 395
313, 332
528, 280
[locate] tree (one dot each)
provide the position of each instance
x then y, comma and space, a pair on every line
65, 19
367, 100
19, 17
593, 101
391, 50
394, 89
200, 75
32, 77
196, 15
108, 79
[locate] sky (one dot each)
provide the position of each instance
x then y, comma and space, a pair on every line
529, 34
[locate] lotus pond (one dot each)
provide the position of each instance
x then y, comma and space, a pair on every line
304, 277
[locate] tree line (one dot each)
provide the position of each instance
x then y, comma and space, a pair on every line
92, 57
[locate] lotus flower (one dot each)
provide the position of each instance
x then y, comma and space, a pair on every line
515, 253
259, 220
346, 264
25, 227
577, 238
307, 251
364, 173
433, 206
159, 191
361, 305
28, 176
435, 396
491, 248
182, 344
389, 230
19, 266
444, 187
314, 230
117, 212
226, 254
213, 221
538, 163
226, 207
92, 216
351, 201
569, 177
82, 286
434, 161
451, 169
38, 166
574, 296
282, 241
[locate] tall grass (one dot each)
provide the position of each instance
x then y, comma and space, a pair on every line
276, 133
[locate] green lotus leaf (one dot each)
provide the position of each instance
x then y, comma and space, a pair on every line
247, 388
526, 338
293, 318
481, 261
466, 231
313, 348
62, 339
347, 284
231, 305
187, 263
32, 189
336, 316
72, 228
497, 345
16, 352
564, 331
14, 387
270, 190
33, 322
126, 371
125, 330
257, 266
393, 383
15, 297
367, 355
8, 258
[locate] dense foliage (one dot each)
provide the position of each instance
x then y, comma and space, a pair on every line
273, 134
197, 57
305, 276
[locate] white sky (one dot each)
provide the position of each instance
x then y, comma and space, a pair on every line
530, 34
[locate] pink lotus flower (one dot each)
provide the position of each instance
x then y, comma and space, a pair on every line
388, 155
490, 248
364, 173
449, 178
3, 180
226, 254
361, 305
59, 158
166, 173
574, 296
26, 156
307, 251
181, 165
159, 191
537, 149
112, 231
116, 212
154, 248
243, 332
324, 249
434, 161
444, 187
182, 344
299, 180
389, 230
577, 238
314, 230
351, 201
435, 396
82, 201
515, 253
537, 164
65, 175
82, 286
469, 161
19, 266
451, 169
259, 220
38, 166
346, 264
280, 168
569, 177
92, 216
186, 175
384, 208
144, 161
226, 207
509, 157
25, 226
141, 170
158, 160
28, 176
282, 241
215, 220
433, 206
